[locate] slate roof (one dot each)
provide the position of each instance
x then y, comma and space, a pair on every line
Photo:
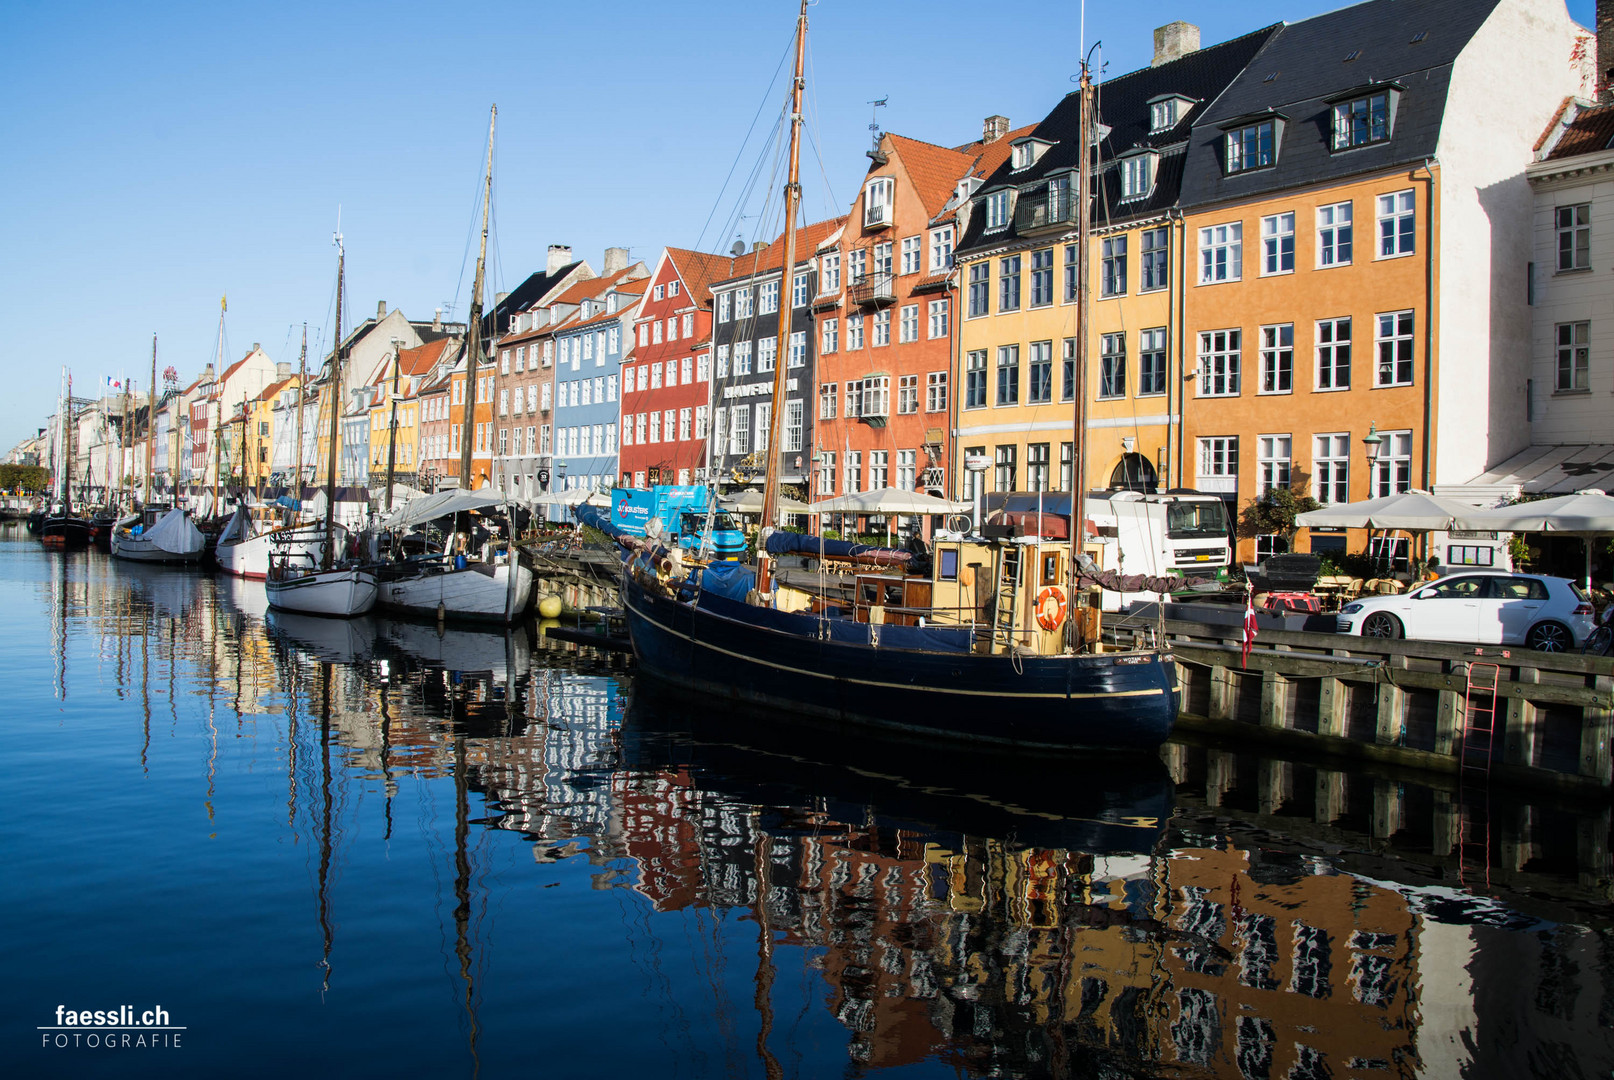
522, 297
1409, 42
1589, 132
1122, 104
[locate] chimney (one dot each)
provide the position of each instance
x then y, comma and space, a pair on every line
380, 310
437, 320
994, 128
499, 298
759, 245
283, 370
207, 373
256, 347
616, 260
1173, 41
1605, 49
559, 256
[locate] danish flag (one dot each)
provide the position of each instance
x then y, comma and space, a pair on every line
1249, 628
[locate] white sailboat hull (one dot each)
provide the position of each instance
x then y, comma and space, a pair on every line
170, 540
337, 593
477, 592
249, 558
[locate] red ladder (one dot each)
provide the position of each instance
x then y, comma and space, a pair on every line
1475, 754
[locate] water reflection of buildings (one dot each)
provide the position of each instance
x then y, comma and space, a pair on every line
1240, 941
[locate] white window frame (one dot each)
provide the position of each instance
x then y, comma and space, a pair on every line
1397, 217
1395, 348
1331, 467
1221, 253
1277, 359
1274, 462
1572, 227
1329, 361
912, 254
1220, 359
1278, 244
1335, 235
1572, 356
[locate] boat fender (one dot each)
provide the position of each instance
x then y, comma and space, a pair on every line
1050, 607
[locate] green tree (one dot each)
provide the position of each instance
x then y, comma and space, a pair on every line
1275, 513
25, 478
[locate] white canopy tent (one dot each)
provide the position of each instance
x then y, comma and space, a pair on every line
890, 501
1413, 511
750, 502
1586, 514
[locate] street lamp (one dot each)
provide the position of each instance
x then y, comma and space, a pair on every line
1370, 446
560, 476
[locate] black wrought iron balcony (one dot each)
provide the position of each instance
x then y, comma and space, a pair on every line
1046, 210
874, 290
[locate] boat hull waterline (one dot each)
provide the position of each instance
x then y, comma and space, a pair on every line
337, 593
249, 558
713, 645
479, 593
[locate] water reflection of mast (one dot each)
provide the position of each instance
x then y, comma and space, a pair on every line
462, 892
764, 977
58, 581
327, 932
145, 688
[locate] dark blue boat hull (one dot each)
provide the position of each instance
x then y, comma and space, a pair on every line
759, 658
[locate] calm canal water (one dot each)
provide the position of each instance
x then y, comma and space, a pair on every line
371, 848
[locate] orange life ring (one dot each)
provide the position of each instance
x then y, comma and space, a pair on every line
1050, 620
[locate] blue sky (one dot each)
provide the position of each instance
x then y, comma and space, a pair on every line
159, 156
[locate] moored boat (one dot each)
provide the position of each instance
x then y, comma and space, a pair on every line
250, 534
158, 534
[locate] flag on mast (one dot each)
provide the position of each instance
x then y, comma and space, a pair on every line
1249, 627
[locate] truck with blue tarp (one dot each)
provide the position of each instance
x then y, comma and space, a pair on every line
684, 511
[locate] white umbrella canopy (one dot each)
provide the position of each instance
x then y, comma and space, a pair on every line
750, 502
891, 501
573, 497
1416, 511
1585, 514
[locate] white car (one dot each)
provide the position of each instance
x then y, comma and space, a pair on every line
1489, 608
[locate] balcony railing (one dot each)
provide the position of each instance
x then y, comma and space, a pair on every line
1049, 208
874, 290
876, 215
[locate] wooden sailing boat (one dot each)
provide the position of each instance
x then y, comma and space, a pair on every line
295, 581
491, 585
157, 534
61, 528
981, 645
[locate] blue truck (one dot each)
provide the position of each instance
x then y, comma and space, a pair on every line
682, 509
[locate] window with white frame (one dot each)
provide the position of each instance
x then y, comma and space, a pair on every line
854, 397
767, 353
742, 358
1251, 147
689, 326
854, 332
1573, 225
1152, 361
793, 427
941, 249
1042, 277
876, 395
936, 391
1112, 265
703, 367
975, 379
908, 326
724, 306
877, 200
829, 273
1004, 467
543, 397
1334, 354
740, 429
1218, 463
798, 292
1221, 253
722, 361
1037, 466
1394, 346
1009, 283
854, 471
879, 469
1219, 355
1272, 458
1040, 373
1155, 247
826, 472
827, 399
1137, 176
1331, 468
1067, 383
521, 358
938, 319
504, 362
1008, 375
912, 254
700, 421
770, 298
672, 328
829, 336
1278, 244
1071, 266
980, 292
1112, 366
1392, 470
1334, 235
1574, 357
764, 422
907, 464
655, 375
660, 292
997, 211
1278, 359
798, 348
687, 367
1362, 121
610, 387
685, 419
655, 332
881, 334
1397, 224
743, 303
655, 427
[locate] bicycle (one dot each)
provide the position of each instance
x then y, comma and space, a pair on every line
1600, 642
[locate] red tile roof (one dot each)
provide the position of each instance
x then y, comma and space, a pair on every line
699, 269
273, 388
934, 170
1590, 131
772, 257
420, 360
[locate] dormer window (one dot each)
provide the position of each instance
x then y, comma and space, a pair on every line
1252, 142
1166, 111
878, 197
1364, 116
1137, 175
997, 210
1026, 153
610, 302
